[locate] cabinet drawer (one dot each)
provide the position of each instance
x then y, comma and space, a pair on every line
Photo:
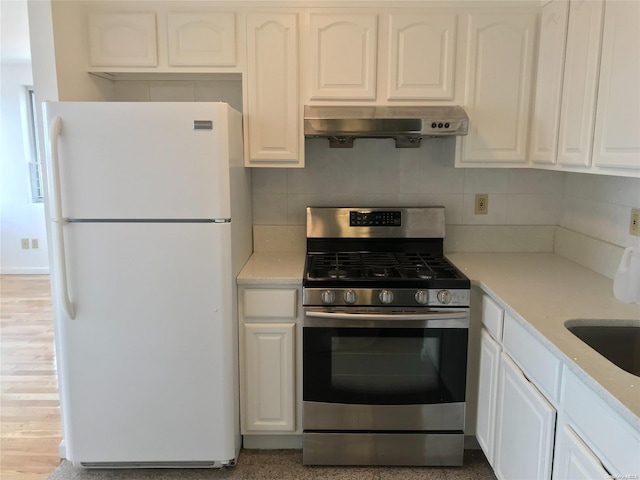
608, 435
270, 303
537, 363
492, 317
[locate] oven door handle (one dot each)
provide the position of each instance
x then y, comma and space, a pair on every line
317, 319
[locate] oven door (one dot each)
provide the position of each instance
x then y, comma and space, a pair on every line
377, 369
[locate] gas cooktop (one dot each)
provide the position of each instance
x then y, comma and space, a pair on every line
372, 269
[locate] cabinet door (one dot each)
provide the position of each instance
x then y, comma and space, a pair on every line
269, 377
122, 40
617, 141
272, 90
201, 39
343, 56
498, 87
524, 428
543, 144
487, 392
573, 459
422, 51
580, 82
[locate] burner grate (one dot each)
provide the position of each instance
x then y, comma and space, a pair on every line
379, 265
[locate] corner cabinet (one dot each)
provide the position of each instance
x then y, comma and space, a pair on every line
273, 115
270, 336
617, 139
499, 71
595, 58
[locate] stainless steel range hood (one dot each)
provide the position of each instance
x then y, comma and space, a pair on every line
407, 125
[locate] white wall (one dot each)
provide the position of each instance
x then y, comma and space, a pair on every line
19, 217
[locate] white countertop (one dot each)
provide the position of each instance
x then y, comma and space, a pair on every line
544, 289
273, 267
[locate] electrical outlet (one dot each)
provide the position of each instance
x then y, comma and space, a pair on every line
634, 223
482, 203
25, 243
34, 243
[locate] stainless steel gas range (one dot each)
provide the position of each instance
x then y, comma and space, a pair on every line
384, 339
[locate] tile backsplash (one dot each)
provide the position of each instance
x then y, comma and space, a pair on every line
375, 173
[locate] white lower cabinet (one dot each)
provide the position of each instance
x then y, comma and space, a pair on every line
523, 388
270, 339
524, 428
269, 377
573, 459
515, 423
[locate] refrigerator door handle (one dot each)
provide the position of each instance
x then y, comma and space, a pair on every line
58, 221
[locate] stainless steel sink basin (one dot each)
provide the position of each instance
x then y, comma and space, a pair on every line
618, 342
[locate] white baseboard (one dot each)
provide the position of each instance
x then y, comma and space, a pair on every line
24, 270
272, 442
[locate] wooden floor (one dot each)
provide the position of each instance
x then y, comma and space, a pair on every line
29, 416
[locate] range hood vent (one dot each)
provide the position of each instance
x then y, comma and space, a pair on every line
407, 125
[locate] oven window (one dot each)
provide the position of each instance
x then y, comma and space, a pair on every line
384, 366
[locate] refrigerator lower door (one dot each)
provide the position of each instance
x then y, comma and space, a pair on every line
147, 364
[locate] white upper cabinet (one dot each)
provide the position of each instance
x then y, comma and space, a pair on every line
499, 73
122, 39
272, 107
421, 60
543, 141
201, 39
617, 132
343, 52
580, 82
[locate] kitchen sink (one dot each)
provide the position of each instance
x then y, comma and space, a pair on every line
618, 342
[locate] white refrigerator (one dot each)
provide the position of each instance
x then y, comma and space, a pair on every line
150, 222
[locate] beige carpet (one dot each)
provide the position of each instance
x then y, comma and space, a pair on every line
287, 465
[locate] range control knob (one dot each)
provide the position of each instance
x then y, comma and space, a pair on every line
444, 296
350, 296
422, 297
327, 296
386, 296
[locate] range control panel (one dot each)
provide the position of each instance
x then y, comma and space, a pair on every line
392, 218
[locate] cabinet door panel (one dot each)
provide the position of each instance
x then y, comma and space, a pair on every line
543, 144
617, 141
201, 39
487, 392
343, 56
573, 459
269, 376
525, 427
498, 86
122, 40
422, 56
272, 92
580, 82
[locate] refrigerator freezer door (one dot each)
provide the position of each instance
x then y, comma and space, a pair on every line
125, 160
147, 365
